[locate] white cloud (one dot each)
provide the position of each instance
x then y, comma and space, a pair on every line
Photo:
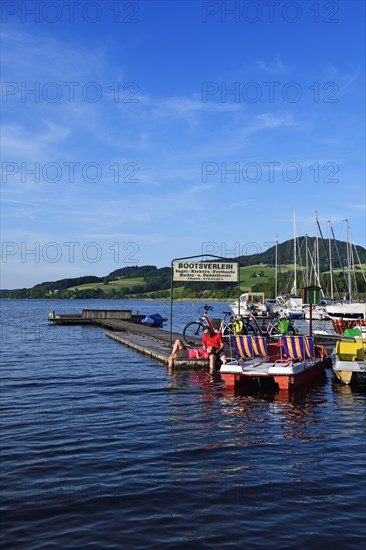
271, 120
276, 67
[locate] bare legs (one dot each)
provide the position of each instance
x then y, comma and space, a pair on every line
213, 359
178, 344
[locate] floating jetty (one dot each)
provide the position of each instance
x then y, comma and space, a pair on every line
126, 328
94, 316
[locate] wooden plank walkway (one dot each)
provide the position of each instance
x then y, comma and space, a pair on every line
153, 342
159, 351
153, 349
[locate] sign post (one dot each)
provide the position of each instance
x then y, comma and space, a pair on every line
311, 296
218, 270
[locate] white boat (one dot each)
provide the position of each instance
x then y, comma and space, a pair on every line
319, 312
347, 311
289, 306
249, 303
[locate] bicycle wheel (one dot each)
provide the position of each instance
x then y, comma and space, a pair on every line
249, 329
192, 334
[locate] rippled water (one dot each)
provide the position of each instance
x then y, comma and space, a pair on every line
102, 448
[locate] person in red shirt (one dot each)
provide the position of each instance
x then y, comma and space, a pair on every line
213, 340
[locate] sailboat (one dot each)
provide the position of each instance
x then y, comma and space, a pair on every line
290, 305
347, 310
319, 312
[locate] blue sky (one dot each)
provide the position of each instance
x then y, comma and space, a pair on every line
167, 129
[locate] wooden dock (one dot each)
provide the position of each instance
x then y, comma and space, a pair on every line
127, 329
154, 342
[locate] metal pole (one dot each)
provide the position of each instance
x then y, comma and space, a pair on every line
330, 263
350, 299
238, 288
306, 260
317, 262
295, 259
171, 304
311, 320
276, 267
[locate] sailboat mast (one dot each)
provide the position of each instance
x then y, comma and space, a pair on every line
348, 263
306, 260
295, 259
330, 263
317, 260
276, 270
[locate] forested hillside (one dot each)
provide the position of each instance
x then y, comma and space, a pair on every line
257, 273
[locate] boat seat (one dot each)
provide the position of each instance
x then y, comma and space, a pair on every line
351, 351
298, 347
248, 347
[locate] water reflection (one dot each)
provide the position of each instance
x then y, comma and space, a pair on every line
348, 396
249, 415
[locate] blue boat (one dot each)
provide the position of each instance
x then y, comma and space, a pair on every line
154, 320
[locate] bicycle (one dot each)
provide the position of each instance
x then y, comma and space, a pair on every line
272, 330
193, 331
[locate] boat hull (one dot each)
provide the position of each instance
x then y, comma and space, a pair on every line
351, 312
283, 376
347, 370
302, 378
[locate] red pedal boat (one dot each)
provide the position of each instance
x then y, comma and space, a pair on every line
288, 363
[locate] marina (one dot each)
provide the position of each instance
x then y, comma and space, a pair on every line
284, 371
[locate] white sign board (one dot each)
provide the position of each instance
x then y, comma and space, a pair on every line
205, 271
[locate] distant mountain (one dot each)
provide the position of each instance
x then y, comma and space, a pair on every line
155, 282
285, 254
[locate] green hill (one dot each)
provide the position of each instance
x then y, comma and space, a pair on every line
257, 273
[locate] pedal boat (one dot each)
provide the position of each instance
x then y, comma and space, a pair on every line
289, 363
349, 357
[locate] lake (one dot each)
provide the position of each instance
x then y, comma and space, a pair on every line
102, 448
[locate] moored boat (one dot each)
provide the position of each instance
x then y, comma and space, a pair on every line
249, 303
289, 306
288, 363
349, 356
154, 320
355, 310
319, 312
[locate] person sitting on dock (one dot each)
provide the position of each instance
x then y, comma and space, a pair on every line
213, 341
180, 351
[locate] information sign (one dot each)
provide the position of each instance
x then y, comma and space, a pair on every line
205, 271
